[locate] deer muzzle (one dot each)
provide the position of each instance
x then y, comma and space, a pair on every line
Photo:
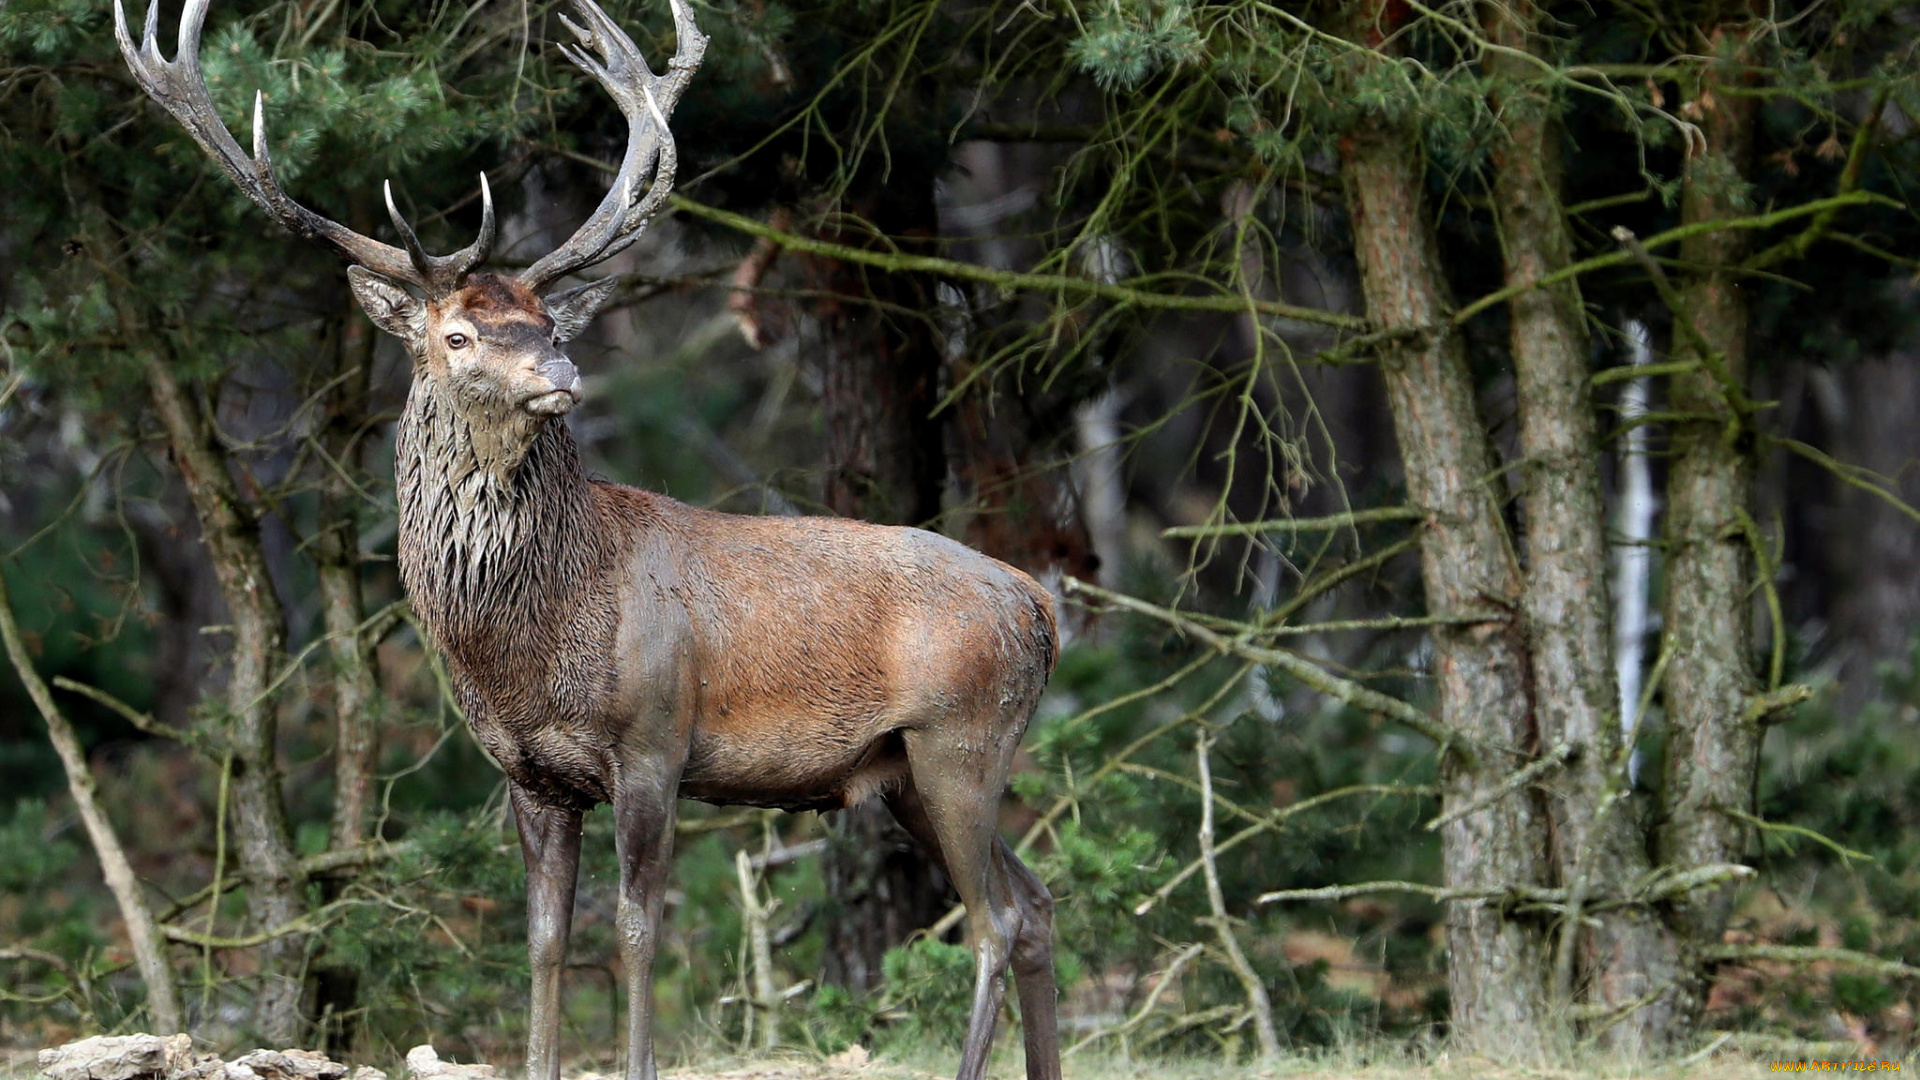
559, 373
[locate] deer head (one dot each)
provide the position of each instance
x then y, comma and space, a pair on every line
487, 344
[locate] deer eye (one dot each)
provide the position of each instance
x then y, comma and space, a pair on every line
457, 341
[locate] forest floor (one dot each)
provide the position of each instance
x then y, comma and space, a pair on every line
16, 1065
1728, 1067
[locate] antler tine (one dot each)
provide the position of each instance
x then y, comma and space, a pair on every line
180, 87
646, 100
441, 274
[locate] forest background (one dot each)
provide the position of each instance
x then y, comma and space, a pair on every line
1469, 441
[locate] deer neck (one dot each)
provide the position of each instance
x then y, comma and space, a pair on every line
490, 507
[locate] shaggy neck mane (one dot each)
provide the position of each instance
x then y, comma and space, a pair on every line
490, 536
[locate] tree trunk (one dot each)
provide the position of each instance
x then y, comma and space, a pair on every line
276, 885
885, 462
356, 690
1597, 839
880, 363
1497, 966
1022, 508
1713, 745
1016, 467
1871, 550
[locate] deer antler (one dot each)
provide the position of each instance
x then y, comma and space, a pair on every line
647, 100
180, 87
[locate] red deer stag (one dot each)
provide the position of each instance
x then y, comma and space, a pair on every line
611, 645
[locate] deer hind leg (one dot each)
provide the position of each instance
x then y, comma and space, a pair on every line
1033, 964
550, 843
950, 804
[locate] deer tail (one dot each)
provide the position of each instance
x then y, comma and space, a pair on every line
1042, 602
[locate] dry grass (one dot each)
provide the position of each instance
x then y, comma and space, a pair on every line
1721, 1067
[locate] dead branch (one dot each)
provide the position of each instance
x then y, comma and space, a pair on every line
1846, 854
902, 262
305, 924
1772, 706
1811, 954
324, 865
1547, 897
1295, 525
141, 720
1313, 675
742, 302
1165, 979
1222, 923
1268, 822
163, 1001
754, 914
1518, 779
1112, 764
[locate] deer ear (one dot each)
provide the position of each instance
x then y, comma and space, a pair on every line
391, 307
574, 309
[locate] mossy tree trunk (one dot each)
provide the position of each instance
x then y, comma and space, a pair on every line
1598, 842
1497, 964
353, 675
336, 548
1713, 741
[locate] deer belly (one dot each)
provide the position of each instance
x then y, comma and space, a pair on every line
556, 766
792, 774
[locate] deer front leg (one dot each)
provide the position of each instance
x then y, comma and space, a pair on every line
643, 809
550, 843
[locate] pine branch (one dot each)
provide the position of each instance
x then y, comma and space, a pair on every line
901, 262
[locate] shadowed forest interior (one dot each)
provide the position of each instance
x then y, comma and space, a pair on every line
1468, 443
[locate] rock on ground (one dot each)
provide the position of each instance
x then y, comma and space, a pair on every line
124, 1057
150, 1057
423, 1063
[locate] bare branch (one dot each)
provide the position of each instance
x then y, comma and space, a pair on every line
1221, 922
1343, 690
1519, 778
144, 721
1811, 954
1162, 981
1295, 525
163, 1002
926, 264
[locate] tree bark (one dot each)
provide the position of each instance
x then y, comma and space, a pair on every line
880, 364
1597, 839
1021, 505
1713, 745
353, 675
1015, 460
1497, 967
143, 934
336, 548
886, 462
230, 528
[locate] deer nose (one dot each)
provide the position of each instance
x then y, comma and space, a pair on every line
560, 371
